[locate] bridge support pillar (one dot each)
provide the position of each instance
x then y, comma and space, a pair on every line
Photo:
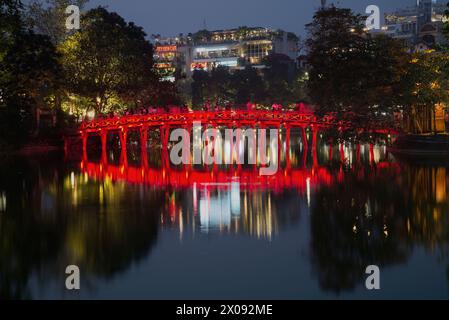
261, 152
143, 145
234, 148
287, 147
123, 139
330, 151
314, 146
187, 138
314, 137
165, 136
254, 146
84, 137
342, 153
104, 138
238, 143
371, 154
279, 146
305, 147
304, 138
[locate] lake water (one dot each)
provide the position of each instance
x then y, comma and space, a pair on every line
146, 231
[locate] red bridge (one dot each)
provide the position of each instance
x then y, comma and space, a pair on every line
226, 118
164, 121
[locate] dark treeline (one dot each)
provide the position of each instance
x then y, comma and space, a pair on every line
279, 82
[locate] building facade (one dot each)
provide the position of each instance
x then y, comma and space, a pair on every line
419, 27
233, 48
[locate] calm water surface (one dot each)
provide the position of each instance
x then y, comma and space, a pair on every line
141, 231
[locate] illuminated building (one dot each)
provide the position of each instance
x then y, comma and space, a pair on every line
237, 48
172, 56
419, 27
233, 48
165, 57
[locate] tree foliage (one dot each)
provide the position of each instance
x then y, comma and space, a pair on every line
48, 17
350, 71
29, 72
426, 82
108, 59
279, 82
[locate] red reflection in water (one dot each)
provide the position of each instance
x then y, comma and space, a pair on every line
248, 179
187, 177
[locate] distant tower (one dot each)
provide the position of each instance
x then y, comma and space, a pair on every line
323, 3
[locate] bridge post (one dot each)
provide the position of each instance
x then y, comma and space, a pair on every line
165, 136
187, 138
238, 143
314, 136
305, 153
314, 146
279, 145
84, 137
287, 147
261, 154
371, 154
304, 138
123, 134
143, 145
104, 138
330, 151
254, 143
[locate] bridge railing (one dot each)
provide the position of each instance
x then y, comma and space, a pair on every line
228, 117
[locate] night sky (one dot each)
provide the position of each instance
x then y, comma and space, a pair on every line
171, 17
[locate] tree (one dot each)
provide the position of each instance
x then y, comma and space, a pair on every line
199, 87
352, 74
107, 60
279, 78
220, 86
248, 86
423, 87
202, 36
335, 48
28, 73
48, 17
159, 93
10, 25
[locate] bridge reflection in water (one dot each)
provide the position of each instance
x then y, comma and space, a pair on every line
236, 198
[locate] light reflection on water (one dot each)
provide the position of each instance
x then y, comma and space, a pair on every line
156, 232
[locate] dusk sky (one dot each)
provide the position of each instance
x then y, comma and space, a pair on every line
171, 17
